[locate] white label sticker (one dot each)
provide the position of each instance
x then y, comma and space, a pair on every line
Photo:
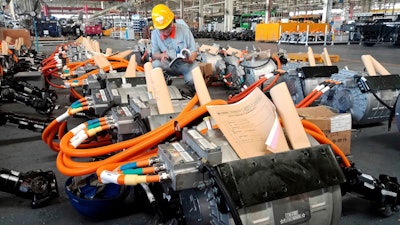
103, 95
115, 92
126, 111
195, 134
341, 123
205, 144
182, 152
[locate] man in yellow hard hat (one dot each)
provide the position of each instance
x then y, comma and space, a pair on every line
168, 39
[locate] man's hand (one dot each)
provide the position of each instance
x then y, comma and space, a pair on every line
164, 57
191, 58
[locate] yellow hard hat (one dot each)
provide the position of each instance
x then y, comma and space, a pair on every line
162, 16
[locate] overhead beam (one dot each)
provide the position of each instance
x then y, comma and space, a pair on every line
73, 8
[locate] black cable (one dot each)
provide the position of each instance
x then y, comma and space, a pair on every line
392, 109
225, 193
392, 113
380, 100
255, 67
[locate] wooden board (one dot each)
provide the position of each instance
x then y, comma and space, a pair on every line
131, 69
291, 121
200, 86
164, 103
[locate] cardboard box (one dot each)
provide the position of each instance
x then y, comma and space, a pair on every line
15, 34
336, 126
206, 70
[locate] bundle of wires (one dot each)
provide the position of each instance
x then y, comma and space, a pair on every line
52, 66
144, 147
316, 93
128, 150
75, 154
58, 126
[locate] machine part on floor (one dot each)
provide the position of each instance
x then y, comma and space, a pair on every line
35, 78
23, 122
40, 186
383, 192
104, 99
22, 86
17, 90
351, 96
43, 106
7, 63
214, 193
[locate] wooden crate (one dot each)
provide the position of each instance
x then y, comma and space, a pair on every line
15, 34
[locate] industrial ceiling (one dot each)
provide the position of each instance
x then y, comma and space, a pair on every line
281, 8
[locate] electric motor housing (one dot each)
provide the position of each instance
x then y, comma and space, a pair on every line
256, 69
301, 79
364, 107
216, 61
264, 190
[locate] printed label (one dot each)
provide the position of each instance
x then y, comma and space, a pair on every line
126, 111
114, 92
297, 211
103, 95
182, 152
341, 123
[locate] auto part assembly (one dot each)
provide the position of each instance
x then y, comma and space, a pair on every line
40, 186
367, 103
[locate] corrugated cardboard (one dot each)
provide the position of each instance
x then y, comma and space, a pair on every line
206, 70
336, 126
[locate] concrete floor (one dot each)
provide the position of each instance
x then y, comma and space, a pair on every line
374, 149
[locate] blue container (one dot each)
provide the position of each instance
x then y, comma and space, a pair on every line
96, 208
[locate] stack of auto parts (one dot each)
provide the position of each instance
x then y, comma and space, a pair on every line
198, 178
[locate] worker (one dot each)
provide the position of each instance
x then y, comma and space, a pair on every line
168, 39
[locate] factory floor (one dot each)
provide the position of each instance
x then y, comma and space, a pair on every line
374, 149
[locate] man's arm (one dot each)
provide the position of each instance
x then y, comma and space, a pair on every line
163, 56
191, 58
156, 53
191, 46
